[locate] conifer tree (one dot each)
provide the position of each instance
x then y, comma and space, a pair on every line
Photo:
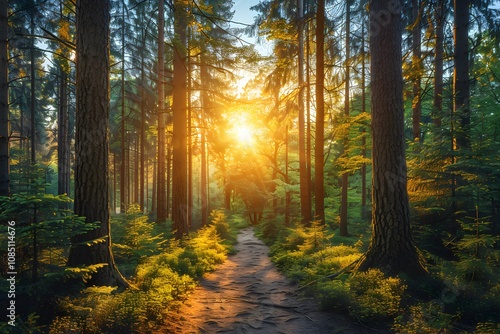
4, 103
92, 123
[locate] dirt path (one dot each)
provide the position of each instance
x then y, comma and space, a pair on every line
247, 294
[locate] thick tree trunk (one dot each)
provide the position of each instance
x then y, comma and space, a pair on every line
161, 213
461, 90
391, 249
179, 138
4, 103
92, 124
319, 201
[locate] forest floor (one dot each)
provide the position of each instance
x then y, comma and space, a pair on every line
247, 294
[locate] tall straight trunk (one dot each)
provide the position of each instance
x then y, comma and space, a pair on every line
136, 170
123, 171
63, 142
32, 89
63, 145
169, 181
391, 249
203, 180
179, 138
417, 70
364, 209
319, 201
308, 115
161, 213
4, 102
461, 90
344, 202
288, 196
142, 167
113, 202
305, 199
155, 183
189, 210
92, 124
438, 63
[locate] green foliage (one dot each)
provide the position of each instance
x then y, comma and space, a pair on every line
162, 280
138, 240
424, 318
375, 296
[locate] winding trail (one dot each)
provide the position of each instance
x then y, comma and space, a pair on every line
247, 294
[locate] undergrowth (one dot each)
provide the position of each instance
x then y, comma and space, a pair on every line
466, 299
163, 271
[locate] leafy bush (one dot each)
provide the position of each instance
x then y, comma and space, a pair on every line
424, 318
161, 281
375, 296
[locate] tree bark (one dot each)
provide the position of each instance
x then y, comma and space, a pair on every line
123, 162
391, 248
33, 122
438, 64
319, 201
416, 71
305, 199
179, 138
461, 90
63, 144
161, 213
4, 102
92, 124
344, 202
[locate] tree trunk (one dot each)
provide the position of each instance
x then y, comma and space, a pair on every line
461, 89
4, 102
161, 213
305, 199
417, 71
391, 249
364, 209
319, 201
143, 189
203, 179
438, 64
32, 88
344, 202
123, 162
179, 138
63, 144
92, 124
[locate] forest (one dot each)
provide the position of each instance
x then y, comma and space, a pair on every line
209, 166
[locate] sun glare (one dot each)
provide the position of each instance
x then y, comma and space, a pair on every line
244, 134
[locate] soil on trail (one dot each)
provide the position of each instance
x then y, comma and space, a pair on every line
247, 294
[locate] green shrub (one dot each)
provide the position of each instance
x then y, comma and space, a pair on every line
375, 296
333, 295
424, 318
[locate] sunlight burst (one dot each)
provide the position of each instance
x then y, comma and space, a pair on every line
244, 134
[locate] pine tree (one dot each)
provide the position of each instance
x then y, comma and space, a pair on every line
4, 103
92, 122
391, 248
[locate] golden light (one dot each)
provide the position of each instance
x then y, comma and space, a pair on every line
244, 134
